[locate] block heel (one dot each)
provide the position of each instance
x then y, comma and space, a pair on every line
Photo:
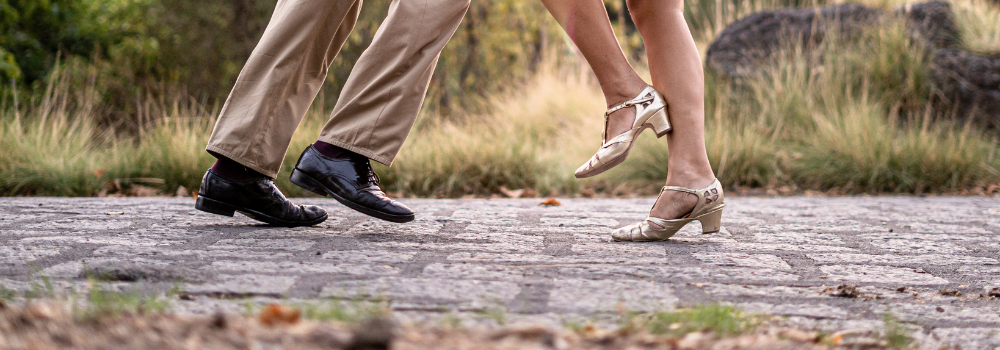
708, 211
711, 222
214, 206
660, 123
307, 182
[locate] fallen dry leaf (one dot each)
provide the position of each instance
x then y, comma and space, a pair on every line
511, 193
950, 292
798, 335
274, 314
143, 191
550, 202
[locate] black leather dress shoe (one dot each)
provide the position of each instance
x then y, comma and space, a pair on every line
351, 181
257, 198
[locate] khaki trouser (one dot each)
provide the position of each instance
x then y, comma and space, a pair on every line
379, 101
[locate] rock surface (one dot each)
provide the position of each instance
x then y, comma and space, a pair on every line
968, 83
747, 42
824, 263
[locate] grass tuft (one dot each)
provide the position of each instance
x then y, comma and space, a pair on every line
722, 320
979, 25
894, 333
344, 311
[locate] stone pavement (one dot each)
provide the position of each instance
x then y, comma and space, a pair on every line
467, 258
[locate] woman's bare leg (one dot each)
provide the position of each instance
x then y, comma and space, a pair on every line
677, 73
587, 23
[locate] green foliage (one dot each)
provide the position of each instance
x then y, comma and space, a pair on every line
103, 303
450, 321
33, 32
498, 45
41, 288
343, 310
720, 319
497, 312
894, 333
979, 25
162, 50
6, 295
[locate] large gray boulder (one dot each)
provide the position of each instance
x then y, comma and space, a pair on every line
749, 41
968, 84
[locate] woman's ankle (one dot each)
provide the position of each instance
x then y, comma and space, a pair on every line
690, 178
623, 90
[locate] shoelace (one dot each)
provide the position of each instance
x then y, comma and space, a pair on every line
372, 176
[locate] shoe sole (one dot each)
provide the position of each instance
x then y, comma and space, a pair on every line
307, 182
616, 161
209, 205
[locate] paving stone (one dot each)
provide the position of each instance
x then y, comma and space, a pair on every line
425, 293
377, 227
908, 246
815, 311
782, 247
196, 254
17, 254
677, 273
367, 256
880, 274
545, 265
263, 244
301, 268
577, 295
542, 259
900, 260
969, 338
985, 275
765, 261
474, 272
655, 249
945, 314
931, 227
80, 225
738, 290
244, 284
67, 270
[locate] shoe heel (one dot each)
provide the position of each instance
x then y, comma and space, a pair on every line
214, 206
711, 222
307, 182
660, 123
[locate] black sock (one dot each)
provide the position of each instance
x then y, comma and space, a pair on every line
230, 169
332, 151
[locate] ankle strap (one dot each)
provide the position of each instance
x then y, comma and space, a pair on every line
688, 190
627, 104
678, 188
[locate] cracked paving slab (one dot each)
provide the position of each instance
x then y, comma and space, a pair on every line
779, 256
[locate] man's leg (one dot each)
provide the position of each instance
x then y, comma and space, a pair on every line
378, 105
271, 95
383, 95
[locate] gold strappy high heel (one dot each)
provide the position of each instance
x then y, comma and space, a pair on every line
650, 112
711, 200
